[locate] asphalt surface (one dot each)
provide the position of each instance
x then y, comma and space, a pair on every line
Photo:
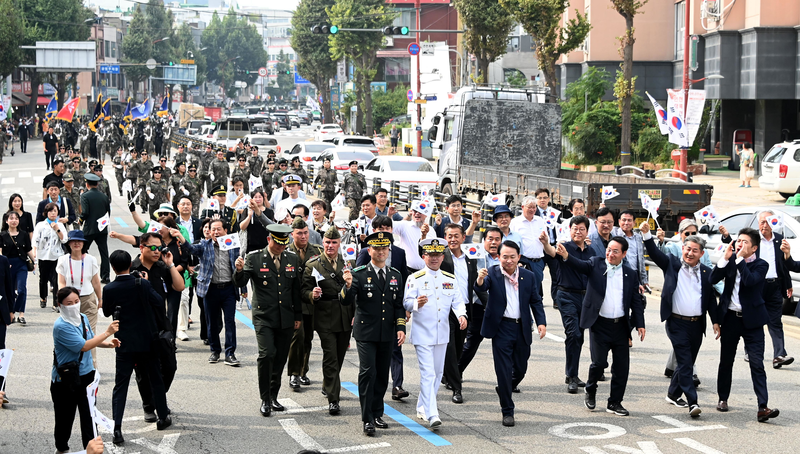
215, 407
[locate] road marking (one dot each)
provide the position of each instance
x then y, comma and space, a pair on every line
681, 426
382, 444
645, 447
612, 431
404, 420
294, 407
38, 179
697, 446
111, 448
303, 439
243, 318
121, 222
164, 447
554, 337
8, 180
24, 174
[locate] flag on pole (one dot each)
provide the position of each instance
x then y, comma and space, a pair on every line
126, 118
775, 221
473, 251
551, 217
155, 227
106, 109
52, 108
661, 115
98, 113
164, 109
142, 111
5, 363
229, 242
706, 216
102, 223
349, 252
608, 193
317, 276
68, 111
678, 133
338, 203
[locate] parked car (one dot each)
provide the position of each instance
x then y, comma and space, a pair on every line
262, 128
327, 131
780, 169
306, 151
193, 128
355, 141
207, 132
406, 169
341, 157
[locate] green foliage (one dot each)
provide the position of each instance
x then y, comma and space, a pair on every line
386, 105
582, 95
285, 81
185, 44
313, 51
517, 79
652, 146
386, 129
11, 33
488, 25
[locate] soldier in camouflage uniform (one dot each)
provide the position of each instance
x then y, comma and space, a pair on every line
143, 168
242, 171
267, 174
220, 170
76, 171
298, 170
181, 155
353, 188
255, 162
71, 192
175, 181
116, 161
103, 185
204, 168
131, 170
277, 177
166, 172
157, 191
241, 150
191, 184
326, 181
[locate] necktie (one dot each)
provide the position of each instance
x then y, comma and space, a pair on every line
382, 278
277, 261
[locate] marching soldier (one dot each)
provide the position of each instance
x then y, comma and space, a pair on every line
144, 167
276, 308
119, 169
166, 172
102, 185
71, 192
76, 171
157, 190
298, 170
376, 290
300, 348
132, 171
255, 161
267, 177
181, 156
191, 186
326, 180
220, 170
353, 189
277, 176
175, 181
204, 168
242, 171
322, 282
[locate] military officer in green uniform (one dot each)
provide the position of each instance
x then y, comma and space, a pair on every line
220, 170
71, 192
191, 186
277, 308
157, 190
300, 349
255, 162
376, 290
326, 181
95, 205
103, 186
322, 282
353, 188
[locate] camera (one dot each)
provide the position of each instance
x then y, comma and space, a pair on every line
136, 274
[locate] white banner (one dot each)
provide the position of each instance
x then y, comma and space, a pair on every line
694, 112
661, 115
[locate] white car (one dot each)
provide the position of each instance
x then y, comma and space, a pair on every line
263, 142
340, 159
355, 141
306, 151
206, 132
407, 170
780, 169
327, 131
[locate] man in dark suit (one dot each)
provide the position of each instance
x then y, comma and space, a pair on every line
95, 205
513, 294
542, 204
742, 314
465, 269
611, 308
397, 260
686, 297
375, 289
126, 299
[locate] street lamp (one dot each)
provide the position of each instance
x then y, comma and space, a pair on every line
711, 77
160, 40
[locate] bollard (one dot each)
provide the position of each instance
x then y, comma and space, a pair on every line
394, 189
413, 193
486, 217
617, 170
376, 184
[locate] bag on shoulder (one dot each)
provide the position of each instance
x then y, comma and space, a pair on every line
70, 371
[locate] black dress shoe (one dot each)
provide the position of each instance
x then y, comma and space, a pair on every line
205, 341
276, 406
380, 423
589, 400
515, 390
448, 386
333, 408
399, 393
265, 408
305, 381
118, 439
150, 416
581, 383
572, 387
722, 406
695, 380
765, 413
294, 382
457, 398
164, 423
602, 377
369, 429
781, 361
668, 372
508, 421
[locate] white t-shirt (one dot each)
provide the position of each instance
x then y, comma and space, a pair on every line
81, 274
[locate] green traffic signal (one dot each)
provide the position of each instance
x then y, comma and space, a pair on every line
172, 63
334, 29
403, 30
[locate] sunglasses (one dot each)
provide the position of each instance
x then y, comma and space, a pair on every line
155, 248
163, 160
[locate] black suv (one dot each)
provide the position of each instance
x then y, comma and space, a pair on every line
283, 120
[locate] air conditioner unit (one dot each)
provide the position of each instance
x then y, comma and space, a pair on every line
584, 47
710, 9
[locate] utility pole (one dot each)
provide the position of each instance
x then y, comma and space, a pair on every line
686, 80
418, 7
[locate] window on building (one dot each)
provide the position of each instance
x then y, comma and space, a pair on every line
680, 26
113, 50
397, 69
108, 48
406, 18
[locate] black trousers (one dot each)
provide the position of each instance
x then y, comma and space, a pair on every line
148, 362
173, 306
47, 275
569, 305
452, 374
732, 330
65, 401
203, 322
334, 348
273, 349
686, 337
49, 157
552, 265
511, 354
102, 246
605, 336
373, 377
300, 348
396, 365
23, 144
773, 300
473, 336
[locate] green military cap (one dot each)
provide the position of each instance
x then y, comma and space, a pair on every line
192, 167
379, 239
432, 246
279, 233
91, 177
333, 233
68, 177
299, 223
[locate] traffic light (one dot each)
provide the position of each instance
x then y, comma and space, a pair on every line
390, 31
167, 63
324, 29
288, 72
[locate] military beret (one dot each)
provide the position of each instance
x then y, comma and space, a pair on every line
353, 162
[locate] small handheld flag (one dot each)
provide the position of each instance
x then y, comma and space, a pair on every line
495, 199
608, 193
775, 221
473, 251
337, 203
551, 217
349, 252
228, 242
706, 215
102, 223
155, 227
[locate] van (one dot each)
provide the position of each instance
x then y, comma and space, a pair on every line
230, 130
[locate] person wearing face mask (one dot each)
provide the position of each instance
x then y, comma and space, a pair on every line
73, 341
686, 298
611, 307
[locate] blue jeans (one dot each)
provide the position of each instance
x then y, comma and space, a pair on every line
221, 300
19, 273
569, 304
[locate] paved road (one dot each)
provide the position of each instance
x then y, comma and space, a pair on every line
216, 407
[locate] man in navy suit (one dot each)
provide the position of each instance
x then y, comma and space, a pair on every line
513, 294
611, 307
397, 260
686, 298
743, 315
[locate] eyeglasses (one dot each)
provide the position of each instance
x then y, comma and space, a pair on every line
687, 233
163, 160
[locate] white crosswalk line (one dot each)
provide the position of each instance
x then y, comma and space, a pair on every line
24, 174
8, 180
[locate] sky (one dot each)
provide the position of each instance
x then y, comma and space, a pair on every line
276, 4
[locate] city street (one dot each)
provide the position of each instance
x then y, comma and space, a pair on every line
215, 407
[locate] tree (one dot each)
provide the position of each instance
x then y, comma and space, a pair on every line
137, 47
313, 51
543, 19
185, 48
11, 32
285, 76
517, 79
360, 47
625, 85
389, 104
582, 96
488, 25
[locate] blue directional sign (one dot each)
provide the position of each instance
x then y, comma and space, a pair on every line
109, 69
298, 79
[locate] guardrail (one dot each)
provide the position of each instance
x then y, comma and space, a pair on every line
652, 173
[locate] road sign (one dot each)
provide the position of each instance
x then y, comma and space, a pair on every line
262, 72
430, 97
298, 79
151, 64
341, 71
109, 69
419, 128
427, 48
410, 95
420, 101
187, 61
413, 48
180, 74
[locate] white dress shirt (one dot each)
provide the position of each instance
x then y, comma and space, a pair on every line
612, 304
462, 275
735, 304
687, 299
512, 299
768, 255
529, 231
407, 236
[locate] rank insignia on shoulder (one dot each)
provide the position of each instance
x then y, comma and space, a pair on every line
447, 286
419, 274
450, 275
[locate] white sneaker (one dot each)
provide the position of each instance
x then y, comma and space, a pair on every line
435, 423
182, 336
422, 416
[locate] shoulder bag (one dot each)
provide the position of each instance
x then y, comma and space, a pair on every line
70, 371
28, 261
